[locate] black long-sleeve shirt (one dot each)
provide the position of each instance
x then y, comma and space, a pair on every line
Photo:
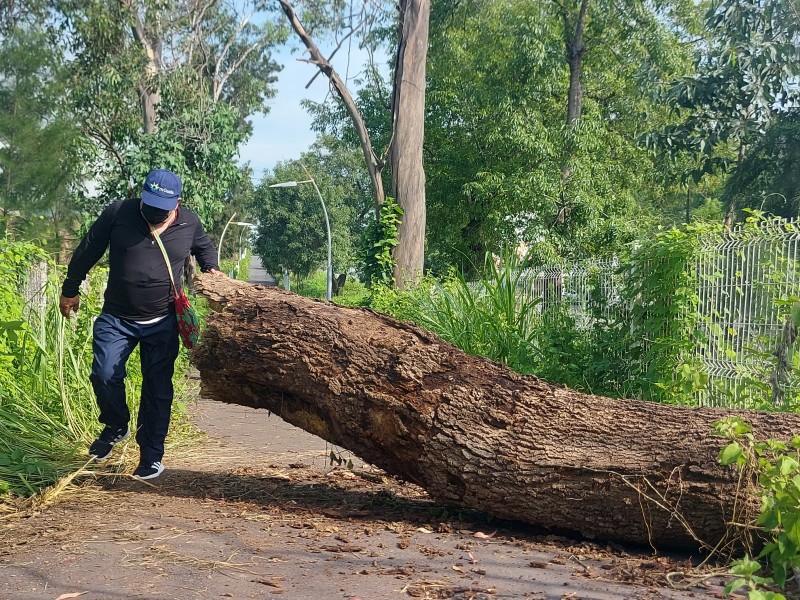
138, 280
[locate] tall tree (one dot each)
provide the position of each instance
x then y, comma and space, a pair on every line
408, 177
499, 139
408, 110
36, 139
745, 78
574, 30
195, 69
768, 178
292, 232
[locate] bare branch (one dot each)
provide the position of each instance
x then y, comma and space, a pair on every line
344, 94
197, 18
338, 47
104, 139
232, 69
220, 79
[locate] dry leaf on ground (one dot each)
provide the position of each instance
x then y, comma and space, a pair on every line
484, 536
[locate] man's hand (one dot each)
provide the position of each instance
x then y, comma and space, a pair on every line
217, 273
69, 305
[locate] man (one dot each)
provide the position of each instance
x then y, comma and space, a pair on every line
138, 309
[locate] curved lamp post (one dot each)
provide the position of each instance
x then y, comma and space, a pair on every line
222, 237
288, 184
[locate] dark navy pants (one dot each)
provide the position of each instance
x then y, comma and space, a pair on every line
114, 340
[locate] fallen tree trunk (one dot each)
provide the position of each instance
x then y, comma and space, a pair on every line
469, 431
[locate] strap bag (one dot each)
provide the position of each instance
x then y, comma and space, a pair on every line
188, 323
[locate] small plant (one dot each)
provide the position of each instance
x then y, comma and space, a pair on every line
338, 459
745, 570
488, 317
775, 468
380, 239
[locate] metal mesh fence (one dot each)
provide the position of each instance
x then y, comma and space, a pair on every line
745, 281
587, 289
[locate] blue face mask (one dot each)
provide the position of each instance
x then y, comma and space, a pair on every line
154, 215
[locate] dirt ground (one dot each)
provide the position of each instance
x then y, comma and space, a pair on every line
259, 512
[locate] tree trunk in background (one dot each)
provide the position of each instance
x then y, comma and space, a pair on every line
408, 174
469, 431
729, 220
150, 100
575, 48
149, 94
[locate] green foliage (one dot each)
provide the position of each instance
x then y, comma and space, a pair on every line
744, 570
775, 466
292, 234
498, 144
314, 285
768, 177
661, 291
237, 269
767, 361
743, 81
47, 411
637, 334
380, 240
200, 145
36, 139
565, 353
14, 261
354, 293
215, 71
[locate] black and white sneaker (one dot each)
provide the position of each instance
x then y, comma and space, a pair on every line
101, 448
148, 470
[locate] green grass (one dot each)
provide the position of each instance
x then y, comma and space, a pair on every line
238, 269
488, 317
354, 293
47, 410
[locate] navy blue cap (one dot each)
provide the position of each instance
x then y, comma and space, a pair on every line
162, 189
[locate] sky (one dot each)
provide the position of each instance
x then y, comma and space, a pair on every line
285, 131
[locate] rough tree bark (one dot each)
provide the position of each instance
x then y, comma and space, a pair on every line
469, 431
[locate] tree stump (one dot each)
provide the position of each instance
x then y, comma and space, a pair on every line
469, 431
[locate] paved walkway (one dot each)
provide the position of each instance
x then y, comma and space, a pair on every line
258, 274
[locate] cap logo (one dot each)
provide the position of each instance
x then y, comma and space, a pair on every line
157, 188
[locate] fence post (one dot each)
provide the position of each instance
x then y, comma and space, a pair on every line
34, 291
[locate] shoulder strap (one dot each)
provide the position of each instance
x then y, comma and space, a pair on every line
166, 258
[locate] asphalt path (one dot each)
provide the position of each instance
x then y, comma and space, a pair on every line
258, 274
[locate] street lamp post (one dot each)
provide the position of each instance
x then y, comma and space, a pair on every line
287, 184
222, 237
